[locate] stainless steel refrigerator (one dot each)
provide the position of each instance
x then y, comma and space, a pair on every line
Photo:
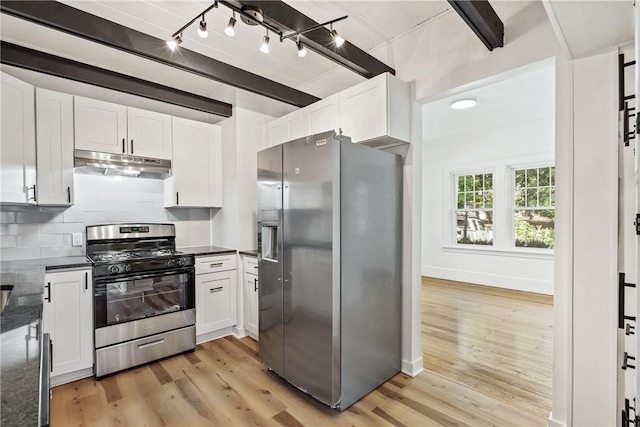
329, 265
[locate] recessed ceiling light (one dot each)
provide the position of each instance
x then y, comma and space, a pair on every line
463, 104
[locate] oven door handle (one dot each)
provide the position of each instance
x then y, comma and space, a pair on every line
144, 276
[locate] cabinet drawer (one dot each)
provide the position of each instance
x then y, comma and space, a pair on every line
211, 264
250, 265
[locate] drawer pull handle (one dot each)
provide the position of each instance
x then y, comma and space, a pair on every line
149, 344
218, 289
255, 285
217, 264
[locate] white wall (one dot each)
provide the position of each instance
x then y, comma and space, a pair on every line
496, 151
32, 232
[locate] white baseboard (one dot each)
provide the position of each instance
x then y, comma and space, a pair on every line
554, 423
209, 336
412, 368
240, 332
71, 376
496, 280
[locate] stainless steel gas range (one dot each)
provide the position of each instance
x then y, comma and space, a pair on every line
144, 295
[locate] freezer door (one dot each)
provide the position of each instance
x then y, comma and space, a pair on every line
311, 333
270, 269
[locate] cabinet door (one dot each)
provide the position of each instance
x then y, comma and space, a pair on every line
295, 124
363, 110
100, 126
68, 318
54, 131
215, 301
276, 133
149, 133
251, 304
323, 115
18, 144
196, 164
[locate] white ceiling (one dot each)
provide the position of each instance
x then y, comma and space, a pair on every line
525, 98
585, 27
371, 25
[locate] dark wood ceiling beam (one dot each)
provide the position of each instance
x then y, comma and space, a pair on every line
78, 23
483, 20
280, 15
22, 57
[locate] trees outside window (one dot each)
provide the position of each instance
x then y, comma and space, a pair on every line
474, 209
534, 207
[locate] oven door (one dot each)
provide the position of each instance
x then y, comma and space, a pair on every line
129, 307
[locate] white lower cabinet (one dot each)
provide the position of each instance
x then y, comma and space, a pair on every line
251, 287
68, 318
216, 304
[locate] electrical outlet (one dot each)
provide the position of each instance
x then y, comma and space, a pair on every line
77, 239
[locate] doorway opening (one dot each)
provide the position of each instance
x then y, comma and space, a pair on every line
488, 224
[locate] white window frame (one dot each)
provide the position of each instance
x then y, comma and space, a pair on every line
454, 203
513, 208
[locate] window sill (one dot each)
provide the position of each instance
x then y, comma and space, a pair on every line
516, 252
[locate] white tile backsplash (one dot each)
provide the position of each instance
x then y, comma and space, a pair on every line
28, 232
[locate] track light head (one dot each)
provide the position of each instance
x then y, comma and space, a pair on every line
302, 51
264, 48
230, 31
337, 39
174, 42
202, 28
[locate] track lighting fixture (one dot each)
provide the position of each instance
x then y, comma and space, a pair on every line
230, 31
339, 41
302, 51
175, 41
265, 43
202, 28
252, 15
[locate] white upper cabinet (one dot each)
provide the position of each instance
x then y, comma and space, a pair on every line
323, 115
149, 134
196, 165
100, 126
54, 136
112, 128
18, 144
377, 111
286, 128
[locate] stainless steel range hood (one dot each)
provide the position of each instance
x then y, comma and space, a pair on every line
95, 163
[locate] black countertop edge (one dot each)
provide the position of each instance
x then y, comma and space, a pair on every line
206, 250
249, 252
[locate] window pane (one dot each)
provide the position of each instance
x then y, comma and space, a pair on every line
520, 178
488, 199
474, 227
460, 204
544, 177
521, 200
535, 229
461, 184
488, 181
552, 196
545, 197
468, 200
479, 185
532, 177
552, 174
479, 200
532, 197
469, 183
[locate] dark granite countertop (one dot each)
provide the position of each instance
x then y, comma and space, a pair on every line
20, 335
249, 252
206, 250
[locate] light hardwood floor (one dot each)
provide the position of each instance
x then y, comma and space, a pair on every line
488, 351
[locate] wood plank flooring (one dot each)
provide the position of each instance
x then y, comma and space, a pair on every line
480, 345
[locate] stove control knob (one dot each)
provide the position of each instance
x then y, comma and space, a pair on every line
114, 269
180, 262
170, 263
126, 268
